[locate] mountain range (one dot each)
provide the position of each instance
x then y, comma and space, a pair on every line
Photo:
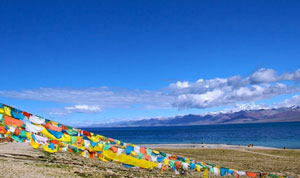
284, 114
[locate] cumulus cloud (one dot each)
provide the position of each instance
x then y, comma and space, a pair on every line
294, 101
269, 75
291, 76
263, 75
205, 100
262, 84
229, 95
83, 109
179, 84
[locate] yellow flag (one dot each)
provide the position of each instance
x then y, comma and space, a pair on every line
64, 138
133, 153
162, 169
129, 160
166, 161
46, 148
205, 174
198, 168
28, 135
155, 152
34, 144
7, 111
94, 139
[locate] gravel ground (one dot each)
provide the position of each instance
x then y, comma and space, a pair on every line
20, 160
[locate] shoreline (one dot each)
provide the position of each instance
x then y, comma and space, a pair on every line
209, 146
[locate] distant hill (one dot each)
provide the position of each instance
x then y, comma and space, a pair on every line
285, 114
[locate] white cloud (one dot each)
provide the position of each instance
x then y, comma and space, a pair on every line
80, 108
83, 109
269, 75
102, 97
204, 100
262, 84
180, 84
291, 76
263, 75
229, 95
294, 101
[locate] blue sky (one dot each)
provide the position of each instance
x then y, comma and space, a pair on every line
102, 61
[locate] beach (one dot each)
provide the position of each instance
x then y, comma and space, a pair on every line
213, 146
21, 160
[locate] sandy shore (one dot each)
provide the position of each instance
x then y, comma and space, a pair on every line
213, 146
20, 160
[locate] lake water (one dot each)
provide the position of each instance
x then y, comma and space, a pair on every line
264, 134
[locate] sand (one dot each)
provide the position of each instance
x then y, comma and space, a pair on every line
20, 160
222, 146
